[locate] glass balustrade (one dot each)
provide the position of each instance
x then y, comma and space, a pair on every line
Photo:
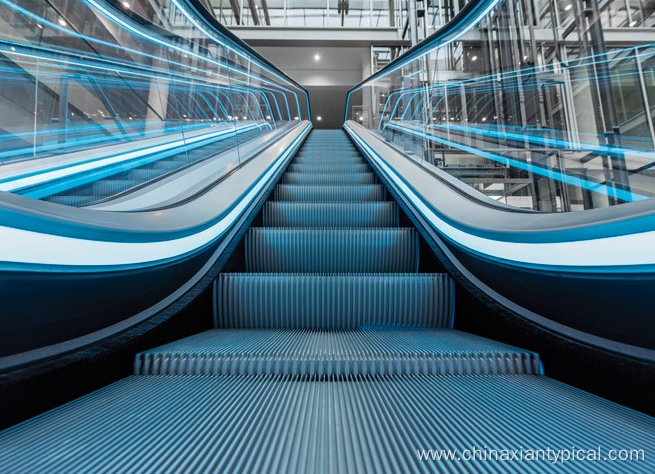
535, 116
95, 89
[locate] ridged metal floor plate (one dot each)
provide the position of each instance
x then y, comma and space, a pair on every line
347, 214
389, 250
305, 193
259, 424
334, 354
331, 179
328, 168
314, 301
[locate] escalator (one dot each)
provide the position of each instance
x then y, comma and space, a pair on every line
137, 177
333, 351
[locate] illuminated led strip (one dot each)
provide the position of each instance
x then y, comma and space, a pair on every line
189, 16
555, 175
133, 29
467, 25
619, 251
558, 143
24, 246
15, 184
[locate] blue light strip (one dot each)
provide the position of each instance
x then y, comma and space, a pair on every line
27, 180
135, 29
558, 143
464, 25
555, 175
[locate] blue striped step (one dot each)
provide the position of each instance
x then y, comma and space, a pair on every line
109, 187
271, 424
335, 354
314, 301
346, 214
302, 193
329, 179
327, 158
71, 200
328, 168
370, 250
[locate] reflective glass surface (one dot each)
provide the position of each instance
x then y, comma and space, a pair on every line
86, 84
542, 109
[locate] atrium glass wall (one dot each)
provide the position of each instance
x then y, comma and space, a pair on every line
92, 83
540, 105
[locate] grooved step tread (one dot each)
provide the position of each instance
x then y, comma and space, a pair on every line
370, 250
355, 214
308, 193
329, 179
329, 301
334, 354
273, 424
328, 168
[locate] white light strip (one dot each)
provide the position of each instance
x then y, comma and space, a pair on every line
23, 246
623, 250
47, 176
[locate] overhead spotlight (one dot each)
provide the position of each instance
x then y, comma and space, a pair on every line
126, 4
13, 48
39, 26
484, 119
361, 119
295, 118
62, 22
474, 58
319, 118
317, 57
568, 7
268, 117
244, 118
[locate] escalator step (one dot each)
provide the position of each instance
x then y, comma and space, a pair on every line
109, 187
329, 158
272, 424
295, 301
351, 214
292, 192
328, 168
143, 174
335, 354
169, 164
71, 200
329, 179
370, 250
